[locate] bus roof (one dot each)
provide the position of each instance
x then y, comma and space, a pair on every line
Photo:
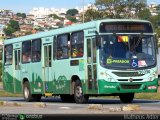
78, 27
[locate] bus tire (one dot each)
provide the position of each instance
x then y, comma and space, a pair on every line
27, 92
126, 97
79, 97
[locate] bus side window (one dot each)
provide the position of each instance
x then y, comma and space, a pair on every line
62, 46
8, 54
77, 47
36, 50
26, 52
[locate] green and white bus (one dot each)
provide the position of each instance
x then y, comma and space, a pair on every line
98, 58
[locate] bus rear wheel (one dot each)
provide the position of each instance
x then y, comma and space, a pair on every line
126, 97
79, 97
27, 93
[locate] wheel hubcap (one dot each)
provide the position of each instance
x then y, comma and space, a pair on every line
78, 91
26, 92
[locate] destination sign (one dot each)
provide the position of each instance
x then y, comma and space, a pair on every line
126, 27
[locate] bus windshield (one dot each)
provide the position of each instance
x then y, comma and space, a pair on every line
129, 51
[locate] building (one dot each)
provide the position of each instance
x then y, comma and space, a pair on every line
153, 8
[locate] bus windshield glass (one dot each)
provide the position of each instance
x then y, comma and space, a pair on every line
129, 51
125, 27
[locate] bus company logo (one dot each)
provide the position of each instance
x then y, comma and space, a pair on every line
109, 61
21, 116
130, 80
112, 87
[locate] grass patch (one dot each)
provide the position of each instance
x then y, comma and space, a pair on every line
2, 103
149, 96
7, 94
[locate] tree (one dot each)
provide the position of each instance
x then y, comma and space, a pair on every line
14, 24
92, 14
158, 8
112, 8
11, 27
55, 16
8, 31
23, 15
158, 32
120, 8
155, 20
72, 12
145, 14
72, 19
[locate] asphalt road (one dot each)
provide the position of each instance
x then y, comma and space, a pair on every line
53, 105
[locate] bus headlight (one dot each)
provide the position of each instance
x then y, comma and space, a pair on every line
107, 77
152, 77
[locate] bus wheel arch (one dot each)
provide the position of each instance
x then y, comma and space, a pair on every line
25, 80
73, 81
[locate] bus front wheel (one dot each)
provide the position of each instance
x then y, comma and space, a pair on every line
78, 93
126, 97
27, 93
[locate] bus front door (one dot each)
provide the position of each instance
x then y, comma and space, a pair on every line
17, 71
91, 63
47, 67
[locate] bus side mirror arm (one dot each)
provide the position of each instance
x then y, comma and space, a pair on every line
157, 43
98, 41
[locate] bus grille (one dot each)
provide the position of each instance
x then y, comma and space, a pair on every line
125, 80
128, 74
137, 86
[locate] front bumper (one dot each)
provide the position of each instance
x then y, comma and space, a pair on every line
126, 87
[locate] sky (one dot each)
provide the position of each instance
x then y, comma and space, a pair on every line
27, 5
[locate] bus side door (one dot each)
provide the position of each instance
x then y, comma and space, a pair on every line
17, 69
47, 64
91, 63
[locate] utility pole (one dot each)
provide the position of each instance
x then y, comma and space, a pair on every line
83, 10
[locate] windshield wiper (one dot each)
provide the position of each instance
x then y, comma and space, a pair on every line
139, 40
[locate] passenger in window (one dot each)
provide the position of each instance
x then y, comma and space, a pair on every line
24, 57
8, 59
74, 52
80, 52
65, 53
130, 53
59, 54
34, 58
38, 57
28, 57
